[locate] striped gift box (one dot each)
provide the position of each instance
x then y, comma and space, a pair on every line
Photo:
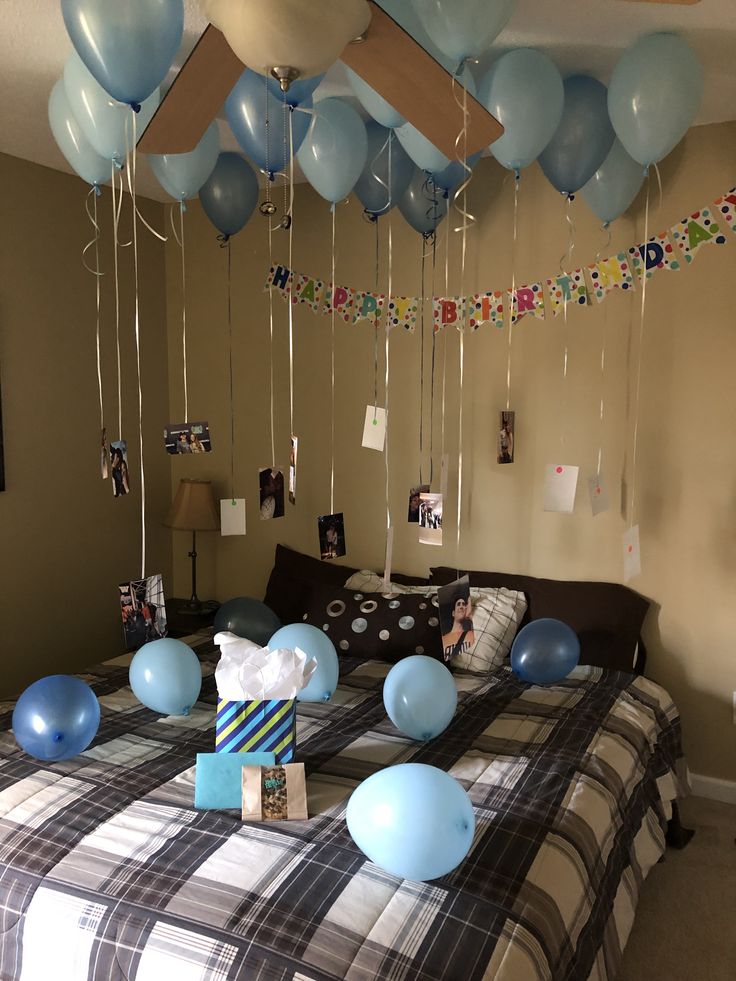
257, 726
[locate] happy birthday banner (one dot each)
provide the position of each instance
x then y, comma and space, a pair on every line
668, 251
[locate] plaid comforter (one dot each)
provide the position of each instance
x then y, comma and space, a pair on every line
108, 873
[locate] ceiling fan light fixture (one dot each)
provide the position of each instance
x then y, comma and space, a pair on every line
284, 76
307, 37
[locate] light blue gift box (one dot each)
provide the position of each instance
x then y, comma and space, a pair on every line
218, 777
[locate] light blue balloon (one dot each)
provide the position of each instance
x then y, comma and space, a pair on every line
246, 108
455, 174
72, 142
318, 645
421, 150
423, 205
654, 96
335, 149
420, 697
463, 28
56, 718
545, 651
373, 103
380, 187
615, 184
166, 676
300, 91
182, 174
229, 195
583, 137
524, 91
412, 820
128, 47
103, 120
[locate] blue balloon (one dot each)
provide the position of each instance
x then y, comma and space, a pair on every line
128, 47
182, 174
421, 150
247, 618
246, 108
615, 184
335, 149
56, 717
373, 103
423, 204
376, 188
166, 676
104, 121
545, 651
654, 95
420, 697
463, 28
72, 142
455, 174
318, 645
230, 194
584, 137
524, 91
300, 91
412, 820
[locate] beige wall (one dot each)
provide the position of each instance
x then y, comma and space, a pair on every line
65, 543
686, 472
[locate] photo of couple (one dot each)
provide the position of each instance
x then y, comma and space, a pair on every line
187, 437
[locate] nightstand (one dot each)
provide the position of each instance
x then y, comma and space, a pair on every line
183, 624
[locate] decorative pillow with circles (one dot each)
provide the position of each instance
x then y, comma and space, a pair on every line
497, 614
382, 626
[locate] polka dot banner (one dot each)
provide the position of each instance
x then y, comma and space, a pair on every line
725, 208
701, 228
610, 274
484, 308
528, 299
368, 306
402, 312
660, 255
448, 311
569, 287
279, 277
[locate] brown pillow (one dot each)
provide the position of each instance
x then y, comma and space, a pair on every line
294, 574
385, 627
607, 617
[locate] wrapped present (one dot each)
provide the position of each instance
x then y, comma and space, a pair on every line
258, 726
218, 777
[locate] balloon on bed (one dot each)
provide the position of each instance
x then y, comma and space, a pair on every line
420, 697
545, 651
56, 718
412, 820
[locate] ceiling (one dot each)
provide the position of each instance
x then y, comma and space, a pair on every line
584, 37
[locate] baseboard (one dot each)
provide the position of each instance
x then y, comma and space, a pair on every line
713, 788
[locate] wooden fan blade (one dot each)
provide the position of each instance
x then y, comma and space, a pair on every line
204, 82
395, 65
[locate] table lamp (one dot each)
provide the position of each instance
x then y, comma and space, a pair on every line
193, 509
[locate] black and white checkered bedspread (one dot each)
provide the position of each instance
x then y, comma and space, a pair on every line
108, 873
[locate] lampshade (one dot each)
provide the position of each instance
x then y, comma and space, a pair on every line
193, 508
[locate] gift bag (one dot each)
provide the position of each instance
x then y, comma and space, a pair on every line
265, 726
274, 793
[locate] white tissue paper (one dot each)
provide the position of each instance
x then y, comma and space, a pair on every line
247, 672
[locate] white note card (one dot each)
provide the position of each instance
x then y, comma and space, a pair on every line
632, 556
232, 516
560, 484
598, 491
374, 430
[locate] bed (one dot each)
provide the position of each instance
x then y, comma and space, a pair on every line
107, 871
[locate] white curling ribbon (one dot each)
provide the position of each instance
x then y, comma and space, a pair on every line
247, 672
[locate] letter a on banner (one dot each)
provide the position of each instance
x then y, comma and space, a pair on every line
700, 228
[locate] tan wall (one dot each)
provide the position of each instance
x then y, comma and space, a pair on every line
686, 473
65, 543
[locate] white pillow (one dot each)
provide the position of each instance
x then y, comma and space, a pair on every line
497, 614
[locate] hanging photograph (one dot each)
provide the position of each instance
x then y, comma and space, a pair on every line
430, 519
505, 449
414, 502
292, 468
119, 468
271, 481
104, 455
143, 610
456, 618
331, 529
187, 437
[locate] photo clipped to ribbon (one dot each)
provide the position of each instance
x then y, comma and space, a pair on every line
187, 437
271, 484
143, 611
505, 449
331, 530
